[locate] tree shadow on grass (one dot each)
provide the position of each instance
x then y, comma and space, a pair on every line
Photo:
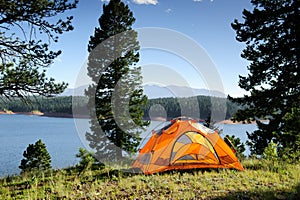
124, 173
272, 194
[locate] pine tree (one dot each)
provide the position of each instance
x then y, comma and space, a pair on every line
290, 148
271, 32
118, 92
26, 30
36, 158
235, 144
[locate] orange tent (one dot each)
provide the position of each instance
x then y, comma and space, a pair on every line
185, 144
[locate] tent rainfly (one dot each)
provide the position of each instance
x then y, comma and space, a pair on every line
185, 144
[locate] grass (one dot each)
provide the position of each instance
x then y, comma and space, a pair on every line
260, 180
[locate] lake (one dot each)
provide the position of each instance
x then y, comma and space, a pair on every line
61, 137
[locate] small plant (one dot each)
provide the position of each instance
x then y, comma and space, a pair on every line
36, 158
87, 159
270, 152
236, 144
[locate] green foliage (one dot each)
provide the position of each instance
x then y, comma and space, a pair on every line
117, 92
289, 155
270, 152
290, 149
87, 160
272, 36
236, 144
36, 158
23, 27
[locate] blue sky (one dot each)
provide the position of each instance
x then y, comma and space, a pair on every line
207, 22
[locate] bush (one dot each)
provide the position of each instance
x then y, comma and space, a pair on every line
87, 160
270, 152
289, 155
237, 145
36, 158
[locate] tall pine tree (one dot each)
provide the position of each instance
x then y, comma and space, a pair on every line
117, 84
271, 32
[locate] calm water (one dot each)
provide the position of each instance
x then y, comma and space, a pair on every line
17, 131
61, 138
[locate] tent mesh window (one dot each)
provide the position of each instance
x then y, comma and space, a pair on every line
192, 147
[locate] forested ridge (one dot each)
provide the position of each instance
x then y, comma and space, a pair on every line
172, 107
61, 104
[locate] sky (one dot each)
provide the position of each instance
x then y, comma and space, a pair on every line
207, 23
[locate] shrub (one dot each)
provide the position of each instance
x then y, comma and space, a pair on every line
289, 155
236, 144
36, 158
270, 152
87, 160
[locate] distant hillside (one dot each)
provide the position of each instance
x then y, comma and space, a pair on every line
195, 107
169, 107
46, 105
155, 91
79, 91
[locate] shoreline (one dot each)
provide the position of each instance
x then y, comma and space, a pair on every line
229, 121
68, 115
38, 113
